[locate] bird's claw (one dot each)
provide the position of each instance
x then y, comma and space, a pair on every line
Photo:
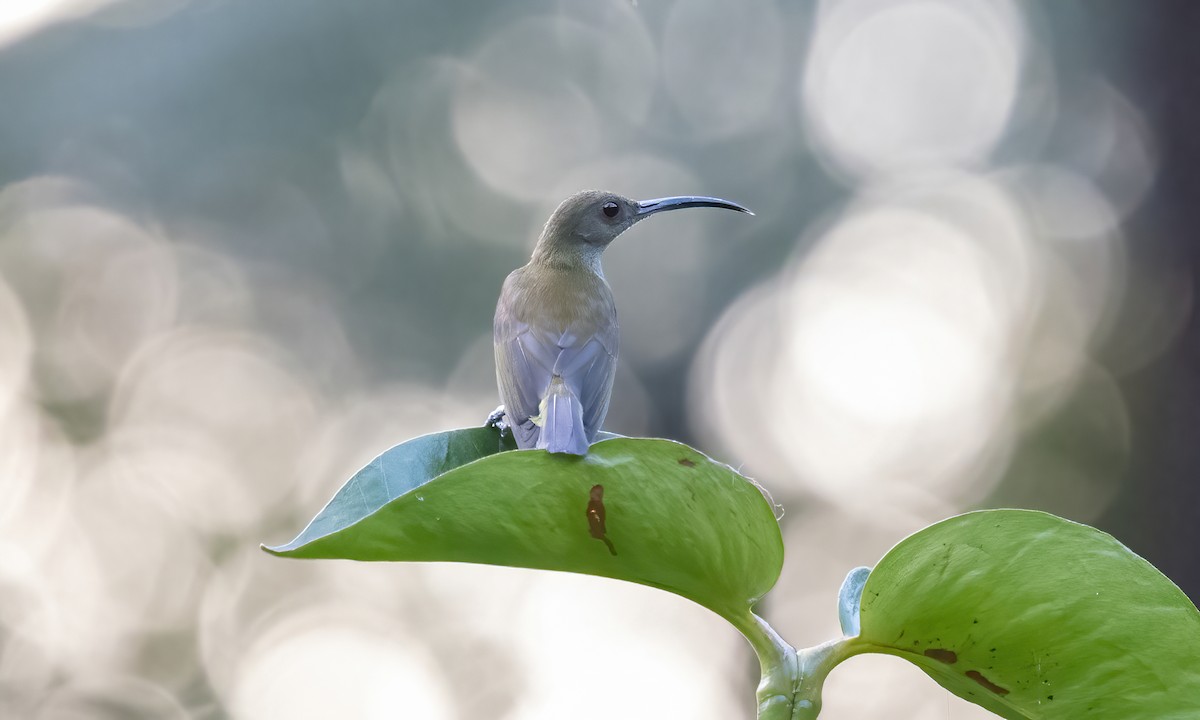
498, 419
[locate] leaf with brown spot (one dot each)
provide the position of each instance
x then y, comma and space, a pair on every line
703, 532
988, 684
1035, 607
942, 655
597, 524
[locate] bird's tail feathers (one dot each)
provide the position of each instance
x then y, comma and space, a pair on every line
562, 421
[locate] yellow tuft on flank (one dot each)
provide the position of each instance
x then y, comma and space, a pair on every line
540, 418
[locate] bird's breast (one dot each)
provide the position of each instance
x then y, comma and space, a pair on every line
575, 304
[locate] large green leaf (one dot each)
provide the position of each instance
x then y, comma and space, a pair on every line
397, 471
648, 511
1033, 616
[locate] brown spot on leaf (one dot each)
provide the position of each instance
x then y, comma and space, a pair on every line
942, 655
987, 684
596, 517
686, 463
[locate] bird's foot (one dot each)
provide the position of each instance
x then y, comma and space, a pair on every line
498, 419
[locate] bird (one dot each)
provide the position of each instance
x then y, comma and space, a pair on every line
555, 328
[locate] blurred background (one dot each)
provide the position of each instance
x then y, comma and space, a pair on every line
247, 246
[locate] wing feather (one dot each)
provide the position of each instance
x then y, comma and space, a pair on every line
528, 357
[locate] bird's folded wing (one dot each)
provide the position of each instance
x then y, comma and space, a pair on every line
527, 358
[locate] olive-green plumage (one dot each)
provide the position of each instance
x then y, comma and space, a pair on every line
555, 328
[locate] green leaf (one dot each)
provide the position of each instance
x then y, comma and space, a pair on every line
1033, 616
653, 512
397, 471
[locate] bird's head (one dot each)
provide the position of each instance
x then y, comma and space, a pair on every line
585, 223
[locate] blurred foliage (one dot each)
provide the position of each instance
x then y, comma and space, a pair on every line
245, 247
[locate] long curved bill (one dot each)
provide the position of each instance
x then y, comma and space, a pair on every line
649, 207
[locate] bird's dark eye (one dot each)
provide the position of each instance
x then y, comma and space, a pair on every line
610, 209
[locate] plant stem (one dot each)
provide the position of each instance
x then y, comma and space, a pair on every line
791, 680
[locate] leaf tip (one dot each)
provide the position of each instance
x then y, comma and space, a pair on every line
276, 550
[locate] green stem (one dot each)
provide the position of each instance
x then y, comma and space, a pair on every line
791, 679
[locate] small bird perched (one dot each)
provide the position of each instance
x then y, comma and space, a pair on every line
555, 329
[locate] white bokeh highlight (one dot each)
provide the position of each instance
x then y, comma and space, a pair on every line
893, 86
336, 668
